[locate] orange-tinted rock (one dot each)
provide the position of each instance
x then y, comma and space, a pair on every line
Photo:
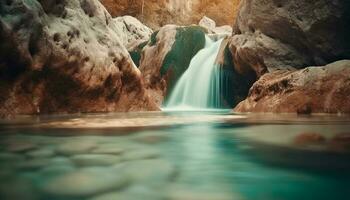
157, 13
65, 57
340, 143
311, 90
304, 139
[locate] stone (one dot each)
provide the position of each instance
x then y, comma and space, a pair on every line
167, 56
270, 35
155, 172
305, 139
323, 89
140, 153
340, 143
95, 160
133, 30
65, 57
20, 146
76, 147
207, 23
54, 171
84, 183
41, 153
33, 164
108, 149
131, 193
158, 13
151, 137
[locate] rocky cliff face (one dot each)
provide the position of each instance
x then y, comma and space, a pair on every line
280, 37
65, 56
157, 13
281, 34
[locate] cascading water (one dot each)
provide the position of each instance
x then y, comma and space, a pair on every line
199, 87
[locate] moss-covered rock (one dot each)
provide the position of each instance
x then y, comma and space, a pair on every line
167, 56
188, 41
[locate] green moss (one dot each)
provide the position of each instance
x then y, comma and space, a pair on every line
188, 41
136, 53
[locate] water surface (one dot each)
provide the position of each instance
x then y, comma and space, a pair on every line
210, 155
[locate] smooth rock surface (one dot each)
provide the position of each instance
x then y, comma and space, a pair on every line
312, 90
84, 183
65, 56
133, 30
95, 160
289, 34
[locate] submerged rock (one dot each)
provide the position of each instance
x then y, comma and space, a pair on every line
95, 160
167, 55
65, 56
84, 183
312, 90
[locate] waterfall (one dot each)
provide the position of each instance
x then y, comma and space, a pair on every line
200, 85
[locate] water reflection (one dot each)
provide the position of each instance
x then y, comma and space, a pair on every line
214, 156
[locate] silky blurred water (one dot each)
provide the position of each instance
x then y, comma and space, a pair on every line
175, 155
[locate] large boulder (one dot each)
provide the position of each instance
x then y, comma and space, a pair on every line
134, 32
65, 56
311, 90
167, 56
290, 34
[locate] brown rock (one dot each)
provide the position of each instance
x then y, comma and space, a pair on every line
340, 142
65, 56
314, 89
304, 139
270, 34
157, 13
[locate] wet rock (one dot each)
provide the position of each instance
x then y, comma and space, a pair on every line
85, 183
131, 193
76, 147
33, 164
340, 143
140, 153
108, 149
305, 139
54, 171
41, 153
167, 56
154, 172
271, 35
323, 89
65, 57
151, 137
20, 146
18, 188
95, 160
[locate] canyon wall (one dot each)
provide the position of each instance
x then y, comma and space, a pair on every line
65, 56
157, 13
277, 39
